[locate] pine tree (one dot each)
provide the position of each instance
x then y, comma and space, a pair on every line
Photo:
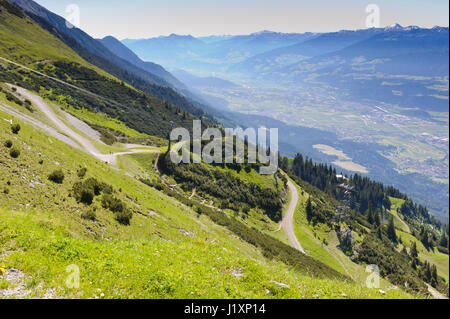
377, 219
427, 272
309, 211
424, 239
434, 276
391, 230
443, 242
379, 233
414, 264
369, 209
404, 251
413, 250
369, 213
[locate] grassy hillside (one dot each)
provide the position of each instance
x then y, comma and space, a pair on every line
431, 255
193, 268
168, 250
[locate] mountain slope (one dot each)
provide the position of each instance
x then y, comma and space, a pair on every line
126, 54
136, 110
190, 101
204, 82
181, 254
84, 39
140, 226
97, 54
25, 42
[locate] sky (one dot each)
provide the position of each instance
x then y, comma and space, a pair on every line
151, 18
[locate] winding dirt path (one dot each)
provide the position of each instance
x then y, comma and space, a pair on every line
288, 220
405, 225
288, 227
84, 143
39, 125
436, 294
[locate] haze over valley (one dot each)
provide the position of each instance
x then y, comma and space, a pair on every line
360, 91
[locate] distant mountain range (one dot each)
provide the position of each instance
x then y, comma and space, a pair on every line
401, 51
321, 44
264, 51
338, 58
218, 51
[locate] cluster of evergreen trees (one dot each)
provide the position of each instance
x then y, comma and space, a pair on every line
412, 211
321, 176
324, 177
403, 268
366, 192
427, 272
232, 192
376, 218
136, 109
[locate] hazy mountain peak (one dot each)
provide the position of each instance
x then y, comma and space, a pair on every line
439, 28
263, 32
412, 27
174, 35
111, 38
394, 27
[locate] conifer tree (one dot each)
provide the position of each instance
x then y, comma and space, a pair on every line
379, 233
444, 240
414, 264
369, 209
427, 272
309, 211
377, 219
413, 250
391, 230
369, 213
404, 251
434, 276
424, 239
